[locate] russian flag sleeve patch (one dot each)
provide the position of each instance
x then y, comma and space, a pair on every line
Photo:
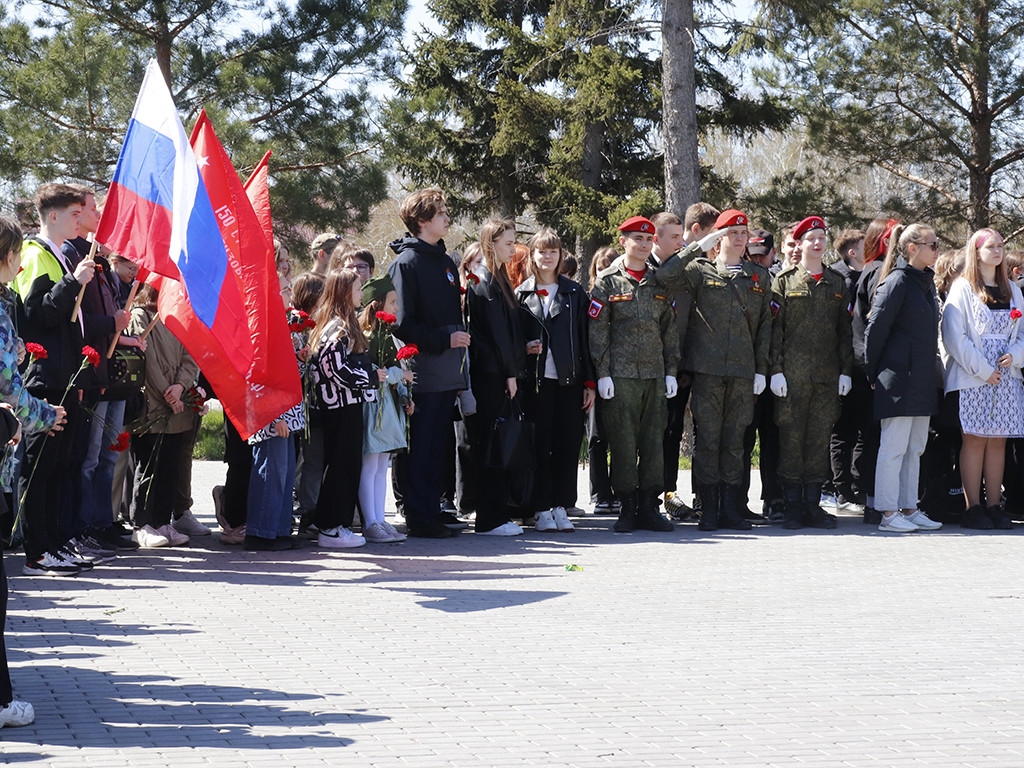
595, 308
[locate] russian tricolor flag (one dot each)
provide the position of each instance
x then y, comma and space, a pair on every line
188, 220
161, 202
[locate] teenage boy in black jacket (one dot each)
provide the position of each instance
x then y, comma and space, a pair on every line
429, 316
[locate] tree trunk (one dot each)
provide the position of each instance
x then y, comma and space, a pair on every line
679, 105
162, 38
590, 175
979, 173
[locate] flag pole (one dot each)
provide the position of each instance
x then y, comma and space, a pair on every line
81, 292
149, 327
127, 308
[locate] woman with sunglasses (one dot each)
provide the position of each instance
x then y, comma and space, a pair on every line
901, 345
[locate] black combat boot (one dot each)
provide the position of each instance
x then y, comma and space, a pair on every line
814, 515
732, 503
648, 518
792, 498
1000, 520
710, 504
627, 514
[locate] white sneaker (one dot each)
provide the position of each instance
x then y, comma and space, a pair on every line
375, 533
50, 564
562, 519
922, 521
394, 533
506, 529
896, 523
147, 536
339, 538
545, 521
188, 525
16, 714
174, 537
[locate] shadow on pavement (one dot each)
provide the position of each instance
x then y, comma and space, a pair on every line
120, 710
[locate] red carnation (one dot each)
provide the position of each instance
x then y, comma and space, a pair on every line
121, 444
590, 385
462, 289
542, 292
91, 355
1015, 314
472, 278
38, 351
386, 317
409, 350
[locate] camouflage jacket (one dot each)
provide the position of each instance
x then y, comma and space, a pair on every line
633, 330
722, 339
812, 338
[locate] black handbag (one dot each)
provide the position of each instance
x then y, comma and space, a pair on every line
510, 444
126, 373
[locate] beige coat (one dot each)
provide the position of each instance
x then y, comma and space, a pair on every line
167, 363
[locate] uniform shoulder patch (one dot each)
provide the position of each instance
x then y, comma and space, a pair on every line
775, 308
595, 308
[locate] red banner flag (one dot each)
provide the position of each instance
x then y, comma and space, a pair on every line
257, 187
272, 384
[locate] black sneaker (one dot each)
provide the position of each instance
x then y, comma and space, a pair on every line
50, 564
434, 530
451, 521
116, 536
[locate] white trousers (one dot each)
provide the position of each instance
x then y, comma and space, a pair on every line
899, 462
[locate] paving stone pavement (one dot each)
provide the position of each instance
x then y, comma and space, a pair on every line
768, 648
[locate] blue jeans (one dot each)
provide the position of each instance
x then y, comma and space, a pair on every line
270, 488
97, 477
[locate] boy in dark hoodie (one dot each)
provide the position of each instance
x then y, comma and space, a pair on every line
430, 316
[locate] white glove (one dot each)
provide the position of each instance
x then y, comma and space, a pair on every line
671, 386
779, 388
606, 388
759, 383
708, 242
845, 385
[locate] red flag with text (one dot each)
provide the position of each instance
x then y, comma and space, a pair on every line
271, 383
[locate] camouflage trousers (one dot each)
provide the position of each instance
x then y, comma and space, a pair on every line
634, 425
805, 418
722, 407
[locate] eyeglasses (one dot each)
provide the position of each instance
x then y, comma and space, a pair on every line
934, 244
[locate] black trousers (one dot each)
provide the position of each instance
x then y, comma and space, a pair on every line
491, 483
597, 458
238, 455
343, 460
674, 431
557, 415
465, 464
48, 479
764, 426
847, 447
157, 472
429, 428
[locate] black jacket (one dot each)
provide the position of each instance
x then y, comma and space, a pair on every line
563, 331
499, 347
99, 304
866, 285
429, 311
902, 342
44, 316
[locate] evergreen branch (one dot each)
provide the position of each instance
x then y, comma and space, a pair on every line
887, 165
325, 164
1007, 159
942, 134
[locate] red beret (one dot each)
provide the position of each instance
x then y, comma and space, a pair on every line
731, 218
805, 226
637, 224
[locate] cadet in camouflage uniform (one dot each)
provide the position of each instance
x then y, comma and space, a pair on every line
811, 351
635, 345
727, 343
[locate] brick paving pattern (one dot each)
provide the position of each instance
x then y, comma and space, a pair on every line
763, 648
